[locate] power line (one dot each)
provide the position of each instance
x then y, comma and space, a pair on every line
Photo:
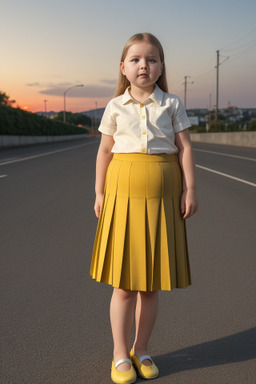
241, 53
242, 46
239, 39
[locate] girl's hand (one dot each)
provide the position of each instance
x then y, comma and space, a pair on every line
189, 204
98, 204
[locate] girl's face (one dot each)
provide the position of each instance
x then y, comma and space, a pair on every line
142, 65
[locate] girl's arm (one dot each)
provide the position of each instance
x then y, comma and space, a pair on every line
189, 202
104, 157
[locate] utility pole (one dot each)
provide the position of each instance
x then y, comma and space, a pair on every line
217, 83
217, 87
45, 110
185, 90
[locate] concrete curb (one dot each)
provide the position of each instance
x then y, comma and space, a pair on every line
18, 141
241, 139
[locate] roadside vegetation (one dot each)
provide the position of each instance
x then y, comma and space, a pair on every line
74, 118
15, 121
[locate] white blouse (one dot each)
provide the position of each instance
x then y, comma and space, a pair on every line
147, 127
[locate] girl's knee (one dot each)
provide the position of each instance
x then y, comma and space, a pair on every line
125, 294
148, 294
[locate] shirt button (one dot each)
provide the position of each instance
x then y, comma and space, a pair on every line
141, 105
144, 132
143, 150
143, 117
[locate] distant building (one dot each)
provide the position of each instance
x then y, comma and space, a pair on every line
194, 120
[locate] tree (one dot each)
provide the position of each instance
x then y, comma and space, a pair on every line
74, 118
5, 99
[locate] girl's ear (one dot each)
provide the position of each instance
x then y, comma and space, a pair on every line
122, 68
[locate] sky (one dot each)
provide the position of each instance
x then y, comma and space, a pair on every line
47, 47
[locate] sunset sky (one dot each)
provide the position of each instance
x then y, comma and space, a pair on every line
49, 46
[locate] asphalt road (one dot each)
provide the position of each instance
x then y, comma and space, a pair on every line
54, 317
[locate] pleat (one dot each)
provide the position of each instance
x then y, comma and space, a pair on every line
176, 234
169, 221
105, 235
121, 214
125, 282
97, 241
105, 221
107, 268
152, 220
161, 266
181, 250
137, 227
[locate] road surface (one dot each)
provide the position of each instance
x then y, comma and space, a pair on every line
54, 317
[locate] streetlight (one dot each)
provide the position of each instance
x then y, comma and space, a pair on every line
185, 91
64, 113
45, 110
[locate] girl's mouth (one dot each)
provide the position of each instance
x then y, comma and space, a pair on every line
143, 75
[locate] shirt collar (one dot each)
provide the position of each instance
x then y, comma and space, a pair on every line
157, 96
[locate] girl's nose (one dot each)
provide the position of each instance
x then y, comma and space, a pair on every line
143, 64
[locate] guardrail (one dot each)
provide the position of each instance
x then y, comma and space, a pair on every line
242, 139
18, 141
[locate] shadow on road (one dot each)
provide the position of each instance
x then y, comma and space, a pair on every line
231, 349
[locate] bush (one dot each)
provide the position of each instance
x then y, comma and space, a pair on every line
252, 126
197, 129
217, 126
14, 121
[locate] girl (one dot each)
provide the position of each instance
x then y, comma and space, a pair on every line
143, 160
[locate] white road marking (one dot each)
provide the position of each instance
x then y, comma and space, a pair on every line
225, 154
226, 175
45, 154
10, 158
2, 176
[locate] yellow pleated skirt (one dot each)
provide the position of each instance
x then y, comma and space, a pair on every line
141, 242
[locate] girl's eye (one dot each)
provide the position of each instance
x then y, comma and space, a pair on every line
135, 60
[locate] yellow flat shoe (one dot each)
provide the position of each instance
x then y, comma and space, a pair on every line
127, 377
144, 371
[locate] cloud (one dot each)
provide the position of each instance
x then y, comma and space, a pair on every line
51, 85
107, 89
33, 85
92, 90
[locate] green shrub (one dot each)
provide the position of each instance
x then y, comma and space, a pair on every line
197, 129
217, 126
252, 126
14, 121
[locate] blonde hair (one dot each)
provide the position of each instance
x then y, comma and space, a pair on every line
123, 82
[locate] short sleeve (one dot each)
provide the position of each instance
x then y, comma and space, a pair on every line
108, 123
180, 119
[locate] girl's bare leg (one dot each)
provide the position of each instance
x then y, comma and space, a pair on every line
146, 312
122, 308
